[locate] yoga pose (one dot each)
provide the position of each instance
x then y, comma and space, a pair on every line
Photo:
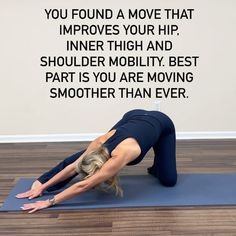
126, 143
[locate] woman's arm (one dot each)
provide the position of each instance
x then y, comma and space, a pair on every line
67, 172
109, 169
37, 191
70, 170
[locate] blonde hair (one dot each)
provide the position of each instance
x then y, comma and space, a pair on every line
93, 162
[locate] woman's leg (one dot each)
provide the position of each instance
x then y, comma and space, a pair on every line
164, 166
48, 175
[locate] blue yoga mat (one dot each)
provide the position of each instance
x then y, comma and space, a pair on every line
144, 191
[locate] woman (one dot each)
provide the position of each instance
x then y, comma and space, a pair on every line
125, 144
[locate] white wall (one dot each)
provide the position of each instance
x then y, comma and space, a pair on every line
26, 35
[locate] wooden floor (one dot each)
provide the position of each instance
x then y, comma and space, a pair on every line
30, 160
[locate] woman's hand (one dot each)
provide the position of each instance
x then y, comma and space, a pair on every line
36, 206
36, 184
33, 193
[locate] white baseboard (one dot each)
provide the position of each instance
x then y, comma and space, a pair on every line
206, 135
48, 138
92, 136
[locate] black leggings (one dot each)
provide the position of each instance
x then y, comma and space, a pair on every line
164, 165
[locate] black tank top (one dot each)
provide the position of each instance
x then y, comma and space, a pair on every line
143, 128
